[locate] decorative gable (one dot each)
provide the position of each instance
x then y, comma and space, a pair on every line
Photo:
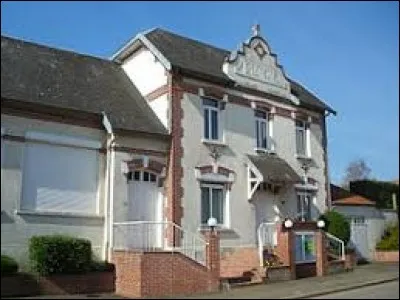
254, 66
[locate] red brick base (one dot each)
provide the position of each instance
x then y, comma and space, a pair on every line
237, 262
386, 256
28, 285
156, 274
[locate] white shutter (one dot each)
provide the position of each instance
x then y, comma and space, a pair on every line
59, 178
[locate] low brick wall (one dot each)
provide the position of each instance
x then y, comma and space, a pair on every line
236, 262
29, 285
278, 273
306, 270
156, 274
336, 266
386, 256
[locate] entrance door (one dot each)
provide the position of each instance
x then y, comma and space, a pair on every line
145, 204
359, 237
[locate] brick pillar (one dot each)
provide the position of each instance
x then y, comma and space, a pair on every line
213, 258
321, 253
285, 248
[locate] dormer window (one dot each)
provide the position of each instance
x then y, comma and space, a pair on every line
262, 129
211, 119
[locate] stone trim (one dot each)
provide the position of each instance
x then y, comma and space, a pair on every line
153, 165
217, 92
141, 151
162, 90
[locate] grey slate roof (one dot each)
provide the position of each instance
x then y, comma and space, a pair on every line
63, 79
274, 169
195, 56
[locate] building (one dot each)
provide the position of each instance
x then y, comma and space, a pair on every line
68, 121
248, 144
367, 220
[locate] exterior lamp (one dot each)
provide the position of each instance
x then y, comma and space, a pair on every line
212, 223
288, 223
320, 224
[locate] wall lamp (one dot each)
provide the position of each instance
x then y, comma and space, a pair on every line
212, 223
288, 223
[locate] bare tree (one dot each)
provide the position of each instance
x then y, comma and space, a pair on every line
356, 170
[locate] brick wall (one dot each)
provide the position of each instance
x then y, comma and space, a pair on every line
156, 274
28, 285
306, 270
336, 266
386, 256
237, 262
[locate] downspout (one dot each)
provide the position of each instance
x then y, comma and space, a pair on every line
109, 190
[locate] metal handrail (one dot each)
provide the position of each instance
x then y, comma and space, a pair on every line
335, 238
261, 242
149, 236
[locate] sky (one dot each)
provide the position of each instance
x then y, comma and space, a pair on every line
346, 53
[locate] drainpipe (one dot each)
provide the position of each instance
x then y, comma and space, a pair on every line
108, 189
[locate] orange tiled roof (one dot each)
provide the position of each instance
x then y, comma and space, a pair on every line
354, 200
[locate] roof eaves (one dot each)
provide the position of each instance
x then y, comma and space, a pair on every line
124, 52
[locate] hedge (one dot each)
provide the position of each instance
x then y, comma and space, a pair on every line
336, 224
379, 191
390, 239
56, 254
8, 265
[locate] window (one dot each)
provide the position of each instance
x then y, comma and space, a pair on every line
261, 129
302, 129
59, 179
304, 206
211, 119
212, 203
305, 247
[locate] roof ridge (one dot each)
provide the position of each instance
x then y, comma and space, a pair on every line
54, 48
187, 38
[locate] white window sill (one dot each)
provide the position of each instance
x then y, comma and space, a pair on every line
57, 214
220, 228
304, 157
265, 151
214, 142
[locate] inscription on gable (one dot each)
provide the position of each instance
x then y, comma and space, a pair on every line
254, 67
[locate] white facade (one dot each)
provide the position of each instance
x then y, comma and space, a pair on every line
236, 138
54, 180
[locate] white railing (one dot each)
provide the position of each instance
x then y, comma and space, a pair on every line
335, 246
267, 238
149, 236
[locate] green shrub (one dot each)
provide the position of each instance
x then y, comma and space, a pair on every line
336, 224
57, 254
8, 265
390, 239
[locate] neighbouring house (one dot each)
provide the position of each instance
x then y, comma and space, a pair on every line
68, 123
367, 222
249, 145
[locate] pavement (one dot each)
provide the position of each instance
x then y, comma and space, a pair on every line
388, 290
361, 276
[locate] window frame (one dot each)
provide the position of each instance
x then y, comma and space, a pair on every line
302, 234
300, 210
305, 129
208, 135
262, 123
66, 142
210, 187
